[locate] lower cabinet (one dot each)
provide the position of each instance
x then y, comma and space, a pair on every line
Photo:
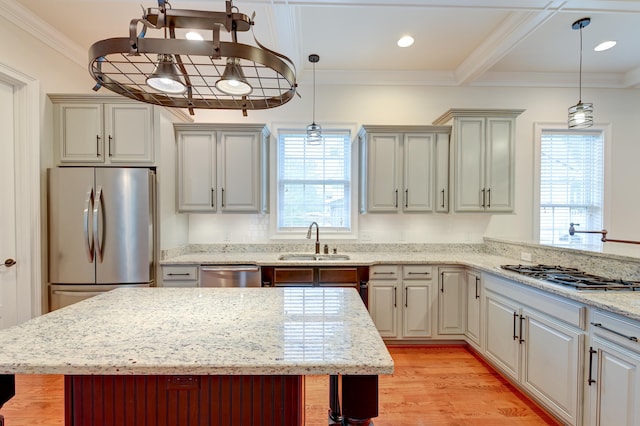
451, 309
179, 276
537, 340
613, 371
400, 300
473, 298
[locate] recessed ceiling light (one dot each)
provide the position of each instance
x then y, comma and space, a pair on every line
192, 35
605, 45
405, 41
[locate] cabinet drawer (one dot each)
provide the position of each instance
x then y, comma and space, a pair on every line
416, 272
613, 327
383, 272
180, 273
292, 275
338, 276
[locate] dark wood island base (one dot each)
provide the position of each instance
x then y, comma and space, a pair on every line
161, 400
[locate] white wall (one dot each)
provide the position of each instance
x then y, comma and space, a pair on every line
415, 105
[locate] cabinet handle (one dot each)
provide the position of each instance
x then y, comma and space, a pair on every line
97, 145
442, 205
515, 316
590, 381
406, 198
477, 293
442, 282
632, 338
483, 194
172, 274
383, 273
222, 198
418, 273
396, 198
406, 297
521, 340
395, 290
213, 197
489, 198
110, 155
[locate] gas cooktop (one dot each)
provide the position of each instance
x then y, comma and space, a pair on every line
572, 277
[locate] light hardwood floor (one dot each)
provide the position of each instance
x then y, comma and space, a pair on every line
446, 385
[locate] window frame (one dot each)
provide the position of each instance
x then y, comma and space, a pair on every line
539, 129
300, 233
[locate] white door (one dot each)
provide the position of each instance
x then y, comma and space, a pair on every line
8, 279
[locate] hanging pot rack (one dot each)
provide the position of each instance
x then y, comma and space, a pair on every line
123, 64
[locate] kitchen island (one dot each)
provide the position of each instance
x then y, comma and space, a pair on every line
203, 355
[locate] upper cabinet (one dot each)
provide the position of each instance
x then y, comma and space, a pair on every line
102, 131
222, 167
483, 149
404, 168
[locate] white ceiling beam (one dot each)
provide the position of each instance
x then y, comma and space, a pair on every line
504, 39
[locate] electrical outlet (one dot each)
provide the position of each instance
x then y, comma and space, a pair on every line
525, 256
365, 236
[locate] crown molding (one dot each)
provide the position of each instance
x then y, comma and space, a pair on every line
22, 17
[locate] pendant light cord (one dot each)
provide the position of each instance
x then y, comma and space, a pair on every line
314, 94
580, 75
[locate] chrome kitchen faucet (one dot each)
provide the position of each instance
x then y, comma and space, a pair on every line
317, 235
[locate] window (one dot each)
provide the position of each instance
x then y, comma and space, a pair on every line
571, 187
314, 181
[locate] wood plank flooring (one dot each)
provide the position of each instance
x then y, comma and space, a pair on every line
431, 386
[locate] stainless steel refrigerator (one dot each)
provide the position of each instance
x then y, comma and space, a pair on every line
101, 231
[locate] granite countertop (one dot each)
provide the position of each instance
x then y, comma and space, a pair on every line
626, 303
201, 331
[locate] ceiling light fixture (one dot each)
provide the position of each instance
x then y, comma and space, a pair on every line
605, 45
580, 115
129, 65
314, 131
405, 41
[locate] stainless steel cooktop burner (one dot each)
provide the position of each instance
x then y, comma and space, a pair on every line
573, 277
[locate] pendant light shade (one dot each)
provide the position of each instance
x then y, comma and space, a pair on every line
233, 82
314, 131
580, 115
166, 77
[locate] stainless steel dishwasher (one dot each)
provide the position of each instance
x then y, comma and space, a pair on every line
230, 276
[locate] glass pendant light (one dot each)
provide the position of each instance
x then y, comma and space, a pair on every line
233, 82
166, 77
581, 114
314, 131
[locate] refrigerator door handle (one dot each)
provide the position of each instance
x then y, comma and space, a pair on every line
88, 205
97, 212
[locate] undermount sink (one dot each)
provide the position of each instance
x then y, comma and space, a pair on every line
310, 256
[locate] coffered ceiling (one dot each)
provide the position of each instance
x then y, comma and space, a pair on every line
457, 42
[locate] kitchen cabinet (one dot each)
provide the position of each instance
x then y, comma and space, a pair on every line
104, 131
483, 145
613, 360
222, 168
179, 276
451, 309
473, 298
404, 169
537, 340
400, 300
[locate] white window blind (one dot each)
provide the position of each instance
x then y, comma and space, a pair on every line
314, 181
571, 188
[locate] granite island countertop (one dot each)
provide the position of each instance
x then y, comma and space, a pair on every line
626, 303
201, 331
